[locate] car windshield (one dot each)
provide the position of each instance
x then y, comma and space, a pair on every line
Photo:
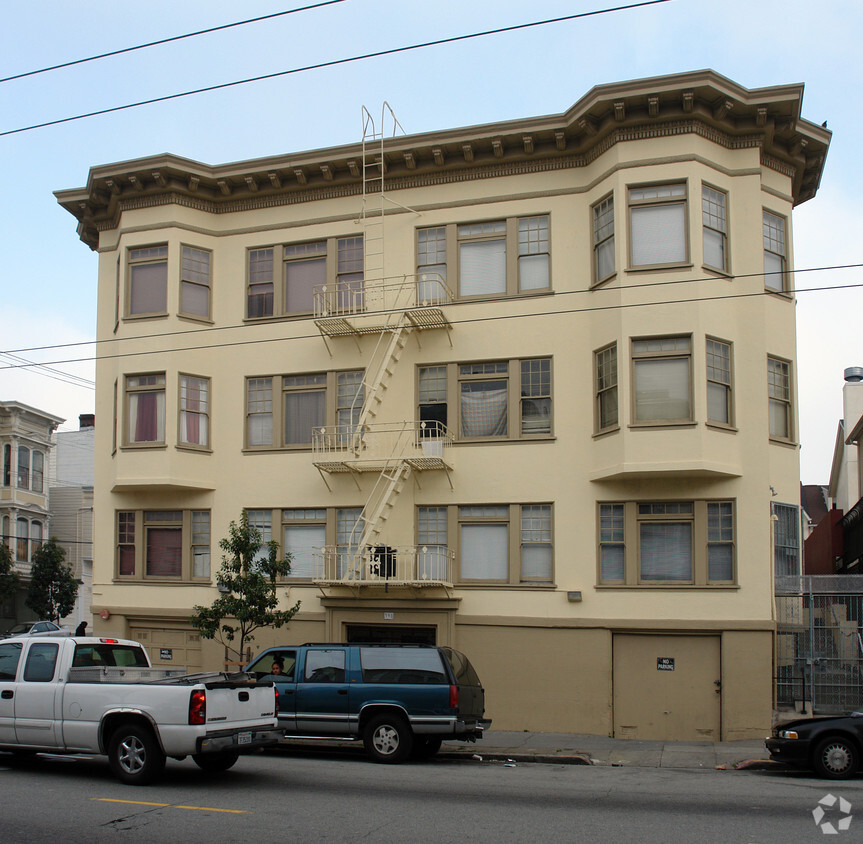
20, 628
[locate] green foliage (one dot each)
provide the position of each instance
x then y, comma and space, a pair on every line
53, 586
8, 576
248, 598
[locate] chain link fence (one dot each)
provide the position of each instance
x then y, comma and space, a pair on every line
819, 643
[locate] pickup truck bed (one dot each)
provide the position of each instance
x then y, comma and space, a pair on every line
100, 696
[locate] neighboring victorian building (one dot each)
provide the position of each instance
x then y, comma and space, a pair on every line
71, 502
25, 442
530, 394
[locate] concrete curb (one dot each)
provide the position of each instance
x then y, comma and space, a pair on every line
544, 758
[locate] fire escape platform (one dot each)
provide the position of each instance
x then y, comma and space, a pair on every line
423, 318
354, 465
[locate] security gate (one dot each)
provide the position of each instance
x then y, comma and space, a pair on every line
819, 643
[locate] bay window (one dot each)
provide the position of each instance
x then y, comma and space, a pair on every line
657, 218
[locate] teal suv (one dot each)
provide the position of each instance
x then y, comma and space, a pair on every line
400, 700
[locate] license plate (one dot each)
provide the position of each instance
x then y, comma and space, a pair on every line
244, 738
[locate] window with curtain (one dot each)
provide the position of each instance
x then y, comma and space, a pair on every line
719, 382
779, 398
533, 253
431, 265
259, 302
35, 537
148, 281
304, 406
714, 228
164, 543
612, 550
194, 411
483, 399
484, 543
195, 282
304, 536
773, 228
603, 239
665, 541
305, 269
259, 411
37, 471
145, 408
126, 543
23, 480
658, 225
662, 372
605, 368
482, 259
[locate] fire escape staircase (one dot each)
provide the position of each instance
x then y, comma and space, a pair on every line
393, 308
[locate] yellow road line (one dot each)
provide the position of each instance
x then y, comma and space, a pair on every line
170, 806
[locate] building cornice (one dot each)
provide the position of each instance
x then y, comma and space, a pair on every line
702, 103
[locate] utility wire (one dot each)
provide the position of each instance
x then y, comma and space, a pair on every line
168, 40
466, 321
332, 63
595, 291
48, 372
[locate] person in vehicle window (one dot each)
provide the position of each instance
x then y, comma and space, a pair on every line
278, 666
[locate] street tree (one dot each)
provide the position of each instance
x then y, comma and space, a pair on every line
9, 581
247, 586
53, 585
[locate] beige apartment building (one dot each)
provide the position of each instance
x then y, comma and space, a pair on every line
527, 389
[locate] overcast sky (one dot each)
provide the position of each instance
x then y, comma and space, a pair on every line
48, 277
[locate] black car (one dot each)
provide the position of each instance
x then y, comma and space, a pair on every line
831, 746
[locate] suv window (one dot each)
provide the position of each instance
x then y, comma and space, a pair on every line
402, 665
325, 666
461, 667
10, 653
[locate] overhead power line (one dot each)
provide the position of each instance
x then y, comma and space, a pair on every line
333, 63
629, 287
466, 321
167, 40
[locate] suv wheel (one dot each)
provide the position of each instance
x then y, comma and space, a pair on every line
388, 738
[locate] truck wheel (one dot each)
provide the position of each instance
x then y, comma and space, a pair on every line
426, 746
215, 763
388, 738
836, 758
134, 755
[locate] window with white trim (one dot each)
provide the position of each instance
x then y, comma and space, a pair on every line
432, 544
431, 264
662, 379
775, 256
657, 218
23, 467
533, 253
304, 536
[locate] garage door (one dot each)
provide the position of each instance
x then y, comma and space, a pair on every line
667, 687
170, 647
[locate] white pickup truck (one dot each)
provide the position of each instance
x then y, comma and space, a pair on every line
91, 695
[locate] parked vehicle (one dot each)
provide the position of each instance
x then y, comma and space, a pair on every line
397, 699
831, 746
95, 695
36, 628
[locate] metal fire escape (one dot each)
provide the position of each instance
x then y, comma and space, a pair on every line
391, 307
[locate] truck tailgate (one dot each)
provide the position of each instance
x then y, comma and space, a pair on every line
239, 704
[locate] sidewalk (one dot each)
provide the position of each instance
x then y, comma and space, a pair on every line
572, 749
